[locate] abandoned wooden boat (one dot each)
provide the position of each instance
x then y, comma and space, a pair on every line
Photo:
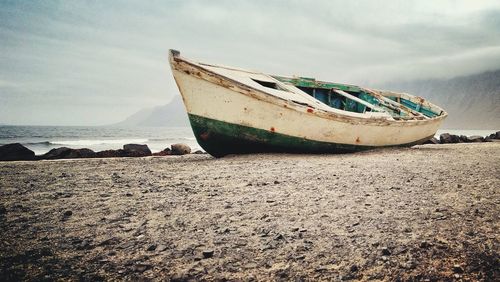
235, 111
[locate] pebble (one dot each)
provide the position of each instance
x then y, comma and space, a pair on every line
457, 268
151, 248
386, 251
250, 265
208, 253
66, 215
3, 210
141, 267
425, 244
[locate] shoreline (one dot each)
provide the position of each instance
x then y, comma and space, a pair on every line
426, 212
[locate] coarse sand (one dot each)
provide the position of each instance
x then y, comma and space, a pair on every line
427, 212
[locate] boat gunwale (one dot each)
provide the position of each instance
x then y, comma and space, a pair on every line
176, 60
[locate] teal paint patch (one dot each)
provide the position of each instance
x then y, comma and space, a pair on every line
424, 110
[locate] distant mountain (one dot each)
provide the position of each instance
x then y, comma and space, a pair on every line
171, 114
472, 102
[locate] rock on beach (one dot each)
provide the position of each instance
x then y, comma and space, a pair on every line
137, 150
164, 152
180, 149
16, 152
67, 153
447, 138
129, 150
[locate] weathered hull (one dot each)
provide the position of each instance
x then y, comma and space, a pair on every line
230, 118
220, 138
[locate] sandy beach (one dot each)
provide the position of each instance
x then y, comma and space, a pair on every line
427, 212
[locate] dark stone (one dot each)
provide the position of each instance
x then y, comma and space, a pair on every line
447, 138
137, 150
3, 210
354, 268
386, 252
208, 253
180, 149
425, 245
165, 152
497, 135
433, 140
111, 154
475, 139
488, 139
68, 153
16, 152
151, 248
457, 268
464, 138
66, 215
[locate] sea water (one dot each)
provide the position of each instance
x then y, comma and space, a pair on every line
42, 139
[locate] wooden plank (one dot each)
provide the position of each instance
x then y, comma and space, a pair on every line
394, 103
362, 102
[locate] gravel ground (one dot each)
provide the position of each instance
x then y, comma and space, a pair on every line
427, 212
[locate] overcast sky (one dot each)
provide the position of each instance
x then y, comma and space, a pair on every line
96, 62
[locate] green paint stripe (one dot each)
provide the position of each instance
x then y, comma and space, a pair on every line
221, 138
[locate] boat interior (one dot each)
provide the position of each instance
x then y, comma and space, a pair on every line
331, 96
360, 100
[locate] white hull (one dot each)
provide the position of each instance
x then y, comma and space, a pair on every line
207, 94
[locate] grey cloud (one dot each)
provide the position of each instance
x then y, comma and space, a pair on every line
95, 62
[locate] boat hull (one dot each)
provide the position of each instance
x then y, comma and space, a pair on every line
230, 118
220, 138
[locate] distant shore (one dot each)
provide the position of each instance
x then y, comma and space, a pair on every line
427, 212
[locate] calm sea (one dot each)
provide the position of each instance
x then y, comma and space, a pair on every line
41, 139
